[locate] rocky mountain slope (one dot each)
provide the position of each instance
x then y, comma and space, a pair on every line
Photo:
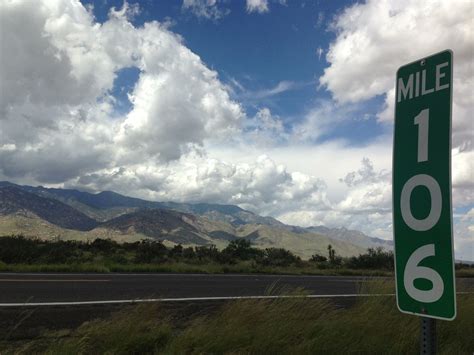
352, 236
76, 214
18, 201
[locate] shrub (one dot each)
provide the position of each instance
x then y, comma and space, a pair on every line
103, 245
18, 249
188, 253
316, 258
207, 253
176, 251
241, 249
376, 258
150, 252
278, 257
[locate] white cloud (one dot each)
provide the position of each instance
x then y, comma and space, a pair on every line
324, 118
329, 161
260, 6
463, 177
261, 185
54, 83
366, 205
266, 122
207, 9
177, 100
464, 236
363, 203
319, 52
60, 37
377, 37
264, 130
366, 174
281, 87
57, 71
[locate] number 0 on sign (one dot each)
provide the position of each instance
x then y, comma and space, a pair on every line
422, 214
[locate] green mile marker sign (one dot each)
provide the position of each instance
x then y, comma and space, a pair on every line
422, 214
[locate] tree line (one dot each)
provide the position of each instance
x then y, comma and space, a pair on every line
22, 250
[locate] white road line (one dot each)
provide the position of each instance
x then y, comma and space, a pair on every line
189, 299
53, 280
196, 299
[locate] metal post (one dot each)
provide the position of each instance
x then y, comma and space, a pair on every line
428, 336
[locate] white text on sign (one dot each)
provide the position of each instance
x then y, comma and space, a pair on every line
415, 87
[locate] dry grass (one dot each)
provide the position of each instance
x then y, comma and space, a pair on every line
280, 326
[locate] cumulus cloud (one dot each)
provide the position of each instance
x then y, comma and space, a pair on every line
261, 186
260, 6
68, 68
206, 9
56, 75
366, 205
177, 100
264, 130
463, 235
365, 174
54, 83
375, 38
462, 177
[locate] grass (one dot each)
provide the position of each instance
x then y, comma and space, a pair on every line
182, 267
465, 272
209, 268
281, 326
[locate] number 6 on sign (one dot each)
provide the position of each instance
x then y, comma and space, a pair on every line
413, 271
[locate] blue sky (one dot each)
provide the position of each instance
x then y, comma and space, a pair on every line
284, 108
282, 50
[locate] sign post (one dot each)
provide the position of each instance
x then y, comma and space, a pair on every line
422, 212
428, 336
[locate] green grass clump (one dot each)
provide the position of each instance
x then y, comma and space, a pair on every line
465, 272
137, 330
207, 268
243, 267
83, 267
267, 326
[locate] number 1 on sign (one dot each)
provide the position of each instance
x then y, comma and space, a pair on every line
423, 121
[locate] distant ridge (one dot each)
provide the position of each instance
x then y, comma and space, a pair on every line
108, 213
107, 200
352, 236
15, 200
159, 224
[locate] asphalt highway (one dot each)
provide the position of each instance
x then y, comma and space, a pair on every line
31, 303
41, 288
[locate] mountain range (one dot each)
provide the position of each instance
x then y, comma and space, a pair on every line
73, 214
